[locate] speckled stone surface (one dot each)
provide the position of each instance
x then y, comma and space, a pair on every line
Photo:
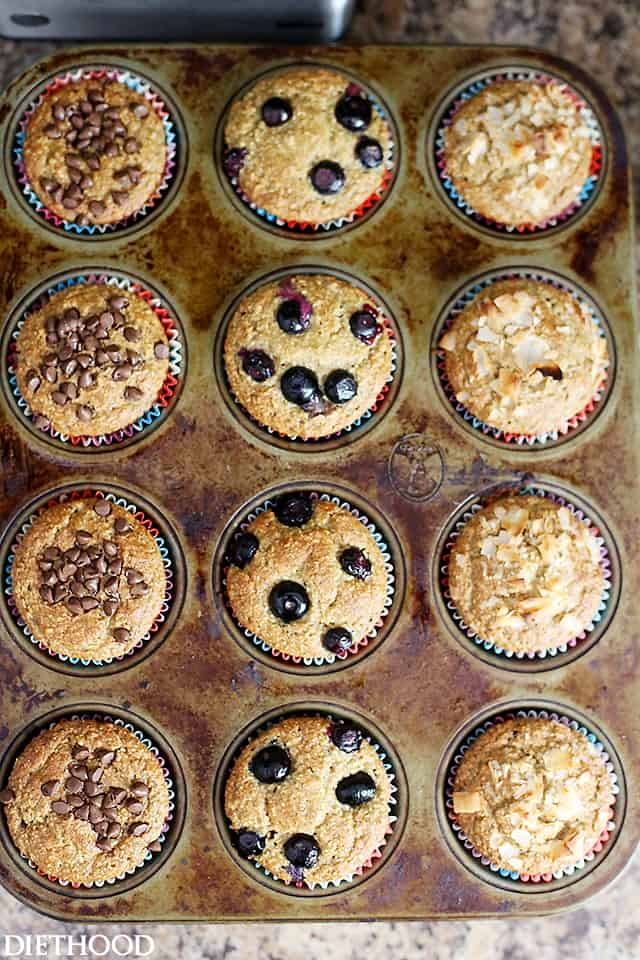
604, 36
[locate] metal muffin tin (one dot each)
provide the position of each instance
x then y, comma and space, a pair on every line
422, 688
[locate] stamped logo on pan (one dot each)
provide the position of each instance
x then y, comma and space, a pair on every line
416, 467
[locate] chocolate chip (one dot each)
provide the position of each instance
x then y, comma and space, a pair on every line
115, 797
93, 162
120, 197
72, 160
105, 844
110, 584
131, 145
80, 753
102, 507
92, 789
155, 847
84, 413
58, 111
139, 590
33, 380
161, 350
133, 393
82, 813
74, 606
134, 807
138, 829
46, 594
114, 830
69, 202
61, 807
48, 788
95, 814
133, 576
40, 422
110, 607
73, 785
122, 372
118, 303
121, 635
75, 800
83, 538
89, 603
121, 525
52, 132
6, 796
78, 770
139, 789
59, 398
139, 110
131, 334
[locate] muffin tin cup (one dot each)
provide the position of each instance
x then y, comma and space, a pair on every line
166, 395
149, 856
375, 855
466, 631
358, 646
463, 840
309, 228
579, 421
471, 89
144, 520
135, 82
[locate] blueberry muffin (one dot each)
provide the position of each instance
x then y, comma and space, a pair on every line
307, 356
524, 356
306, 144
308, 800
88, 579
532, 795
525, 574
95, 151
91, 360
519, 152
85, 801
307, 577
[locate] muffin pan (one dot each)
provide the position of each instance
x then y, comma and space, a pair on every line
411, 469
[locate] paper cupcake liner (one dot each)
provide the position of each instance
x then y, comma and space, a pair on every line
357, 646
472, 90
520, 439
551, 651
376, 854
350, 428
162, 549
308, 227
140, 86
166, 392
167, 824
477, 854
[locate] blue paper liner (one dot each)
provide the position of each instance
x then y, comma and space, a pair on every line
162, 549
357, 645
477, 854
520, 439
140, 86
472, 90
488, 645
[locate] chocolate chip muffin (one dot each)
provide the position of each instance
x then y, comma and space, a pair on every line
307, 144
85, 801
532, 795
88, 579
309, 355
525, 356
308, 800
519, 151
525, 574
92, 360
307, 577
95, 151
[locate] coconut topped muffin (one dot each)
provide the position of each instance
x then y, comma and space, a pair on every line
308, 355
85, 801
525, 574
308, 799
306, 144
307, 577
532, 795
88, 579
95, 151
519, 151
525, 356
92, 360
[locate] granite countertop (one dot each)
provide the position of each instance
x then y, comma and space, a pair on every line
604, 36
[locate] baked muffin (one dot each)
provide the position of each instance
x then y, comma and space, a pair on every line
92, 360
308, 800
95, 151
525, 574
524, 356
307, 577
88, 579
306, 144
532, 795
85, 801
308, 355
518, 151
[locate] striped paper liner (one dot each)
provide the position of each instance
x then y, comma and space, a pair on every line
518, 439
477, 854
552, 651
375, 855
141, 518
166, 393
471, 90
140, 86
358, 645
